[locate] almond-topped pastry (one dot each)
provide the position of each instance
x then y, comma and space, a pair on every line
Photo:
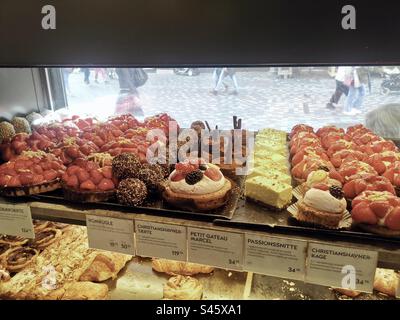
44, 238
197, 185
30, 173
183, 288
322, 205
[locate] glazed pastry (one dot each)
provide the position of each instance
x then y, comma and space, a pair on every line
85, 290
44, 238
15, 259
183, 288
131, 192
179, 268
86, 181
30, 173
196, 185
126, 165
103, 266
386, 281
322, 205
40, 225
13, 241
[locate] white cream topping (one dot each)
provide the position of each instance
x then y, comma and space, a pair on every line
321, 176
204, 186
323, 201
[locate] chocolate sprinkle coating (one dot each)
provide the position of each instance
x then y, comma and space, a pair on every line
131, 192
151, 179
126, 165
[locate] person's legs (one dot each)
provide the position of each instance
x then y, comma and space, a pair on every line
235, 84
220, 79
86, 72
348, 105
360, 97
337, 94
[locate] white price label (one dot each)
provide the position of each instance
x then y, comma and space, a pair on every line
160, 240
275, 256
110, 234
341, 267
216, 248
16, 220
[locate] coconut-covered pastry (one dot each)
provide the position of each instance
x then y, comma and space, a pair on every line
183, 288
197, 185
323, 205
7, 131
21, 125
126, 165
131, 192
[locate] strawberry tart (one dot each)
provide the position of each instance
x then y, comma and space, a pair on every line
30, 173
86, 181
197, 185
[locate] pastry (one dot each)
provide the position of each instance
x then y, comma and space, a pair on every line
44, 238
377, 212
13, 241
126, 165
350, 170
322, 205
269, 192
179, 268
72, 148
103, 266
348, 292
366, 182
393, 174
272, 134
382, 161
301, 171
3, 248
85, 290
151, 178
183, 288
300, 128
346, 155
131, 192
312, 152
386, 281
196, 185
30, 173
101, 158
320, 176
271, 173
58, 225
15, 259
39, 225
85, 181
4, 274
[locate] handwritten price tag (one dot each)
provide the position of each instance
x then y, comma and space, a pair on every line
216, 248
16, 220
341, 267
110, 234
161, 240
275, 256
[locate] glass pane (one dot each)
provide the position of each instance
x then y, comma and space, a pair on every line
262, 97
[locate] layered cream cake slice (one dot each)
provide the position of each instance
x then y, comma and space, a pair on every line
268, 191
272, 134
271, 173
271, 147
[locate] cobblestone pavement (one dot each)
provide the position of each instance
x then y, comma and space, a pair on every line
264, 100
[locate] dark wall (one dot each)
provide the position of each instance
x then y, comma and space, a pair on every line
198, 32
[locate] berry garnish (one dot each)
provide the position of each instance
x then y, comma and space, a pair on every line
203, 167
194, 177
184, 167
325, 168
336, 192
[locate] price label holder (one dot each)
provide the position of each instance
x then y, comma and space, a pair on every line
110, 234
216, 248
16, 220
341, 267
160, 240
274, 256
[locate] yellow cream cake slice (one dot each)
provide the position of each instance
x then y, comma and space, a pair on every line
271, 173
271, 147
268, 191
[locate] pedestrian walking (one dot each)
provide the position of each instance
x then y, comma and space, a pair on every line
66, 73
341, 88
128, 99
86, 72
102, 73
359, 79
220, 74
